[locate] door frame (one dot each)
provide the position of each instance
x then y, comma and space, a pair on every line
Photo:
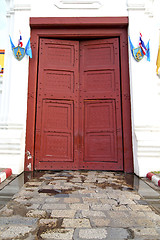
79, 28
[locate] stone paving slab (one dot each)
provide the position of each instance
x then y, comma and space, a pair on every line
16, 220
16, 231
54, 206
63, 213
94, 233
76, 223
58, 234
79, 205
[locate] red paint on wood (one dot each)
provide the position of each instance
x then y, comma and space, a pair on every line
100, 105
79, 28
86, 22
57, 105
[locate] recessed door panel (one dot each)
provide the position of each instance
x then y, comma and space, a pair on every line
99, 131
57, 131
101, 80
59, 81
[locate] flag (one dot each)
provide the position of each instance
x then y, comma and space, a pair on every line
139, 52
142, 45
158, 60
20, 52
136, 52
28, 49
20, 43
12, 45
131, 45
148, 51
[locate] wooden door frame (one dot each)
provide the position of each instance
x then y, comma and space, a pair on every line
79, 28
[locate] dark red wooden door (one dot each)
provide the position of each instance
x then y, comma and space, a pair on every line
100, 105
57, 105
78, 124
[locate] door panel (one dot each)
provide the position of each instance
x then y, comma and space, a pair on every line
57, 131
100, 105
57, 105
106, 81
99, 126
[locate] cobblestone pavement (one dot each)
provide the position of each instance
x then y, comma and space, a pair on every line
78, 205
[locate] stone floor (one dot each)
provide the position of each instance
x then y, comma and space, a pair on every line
80, 205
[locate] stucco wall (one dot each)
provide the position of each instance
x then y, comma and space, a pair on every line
145, 88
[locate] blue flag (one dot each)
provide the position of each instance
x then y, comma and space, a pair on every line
12, 45
28, 49
131, 45
148, 52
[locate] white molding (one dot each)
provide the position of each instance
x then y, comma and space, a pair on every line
10, 141
136, 5
78, 4
12, 147
11, 126
149, 8
10, 12
22, 7
148, 141
18, 7
147, 128
147, 149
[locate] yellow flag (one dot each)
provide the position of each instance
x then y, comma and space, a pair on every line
158, 60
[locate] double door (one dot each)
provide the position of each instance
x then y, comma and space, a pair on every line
78, 117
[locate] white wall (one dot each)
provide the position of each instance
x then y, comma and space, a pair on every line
145, 90
144, 18
13, 104
62, 8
